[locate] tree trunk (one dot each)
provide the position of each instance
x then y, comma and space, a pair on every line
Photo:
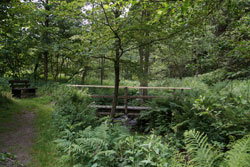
146, 70
198, 65
118, 54
55, 75
141, 71
102, 70
144, 54
117, 79
45, 54
36, 67
61, 67
57, 68
116, 90
84, 74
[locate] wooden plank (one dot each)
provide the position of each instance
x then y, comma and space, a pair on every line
122, 107
18, 81
130, 87
20, 86
25, 88
145, 97
119, 113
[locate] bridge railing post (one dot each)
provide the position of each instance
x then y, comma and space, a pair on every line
174, 93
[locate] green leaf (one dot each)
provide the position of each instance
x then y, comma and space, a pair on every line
106, 6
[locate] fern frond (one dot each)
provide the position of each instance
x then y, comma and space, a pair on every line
201, 153
239, 155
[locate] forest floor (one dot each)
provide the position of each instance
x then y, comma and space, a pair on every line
26, 138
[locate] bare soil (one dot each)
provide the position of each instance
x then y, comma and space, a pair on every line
18, 139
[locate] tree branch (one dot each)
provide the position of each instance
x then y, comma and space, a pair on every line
114, 31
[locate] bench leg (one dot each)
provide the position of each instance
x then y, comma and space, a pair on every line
16, 93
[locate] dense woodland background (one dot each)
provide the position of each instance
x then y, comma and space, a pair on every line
201, 44
149, 40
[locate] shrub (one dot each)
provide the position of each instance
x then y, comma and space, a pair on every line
4, 84
111, 146
92, 146
73, 109
222, 112
147, 151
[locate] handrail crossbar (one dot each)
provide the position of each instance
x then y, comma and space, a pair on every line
130, 87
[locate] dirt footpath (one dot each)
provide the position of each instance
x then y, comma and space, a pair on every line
18, 140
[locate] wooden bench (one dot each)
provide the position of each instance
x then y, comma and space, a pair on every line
21, 88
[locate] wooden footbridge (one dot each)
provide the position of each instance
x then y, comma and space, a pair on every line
125, 109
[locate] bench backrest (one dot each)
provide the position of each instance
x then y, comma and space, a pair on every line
19, 84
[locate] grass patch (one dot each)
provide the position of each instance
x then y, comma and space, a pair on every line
43, 151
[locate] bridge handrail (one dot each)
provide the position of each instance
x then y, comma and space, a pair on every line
130, 87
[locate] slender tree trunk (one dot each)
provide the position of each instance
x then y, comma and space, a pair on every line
55, 75
197, 66
116, 90
146, 70
144, 54
61, 67
118, 54
117, 78
84, 74
180, 71
45, 54
57, 68
141, 71
102, 70
36, 67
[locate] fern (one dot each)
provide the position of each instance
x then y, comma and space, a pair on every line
239, 155
199, 151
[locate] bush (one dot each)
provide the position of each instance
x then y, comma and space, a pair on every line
4, 84
91, 146
221, 111
73, 109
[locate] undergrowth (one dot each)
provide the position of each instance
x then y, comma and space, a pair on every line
206, 126
170, 138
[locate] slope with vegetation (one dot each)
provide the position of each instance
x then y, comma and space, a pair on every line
168, 137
